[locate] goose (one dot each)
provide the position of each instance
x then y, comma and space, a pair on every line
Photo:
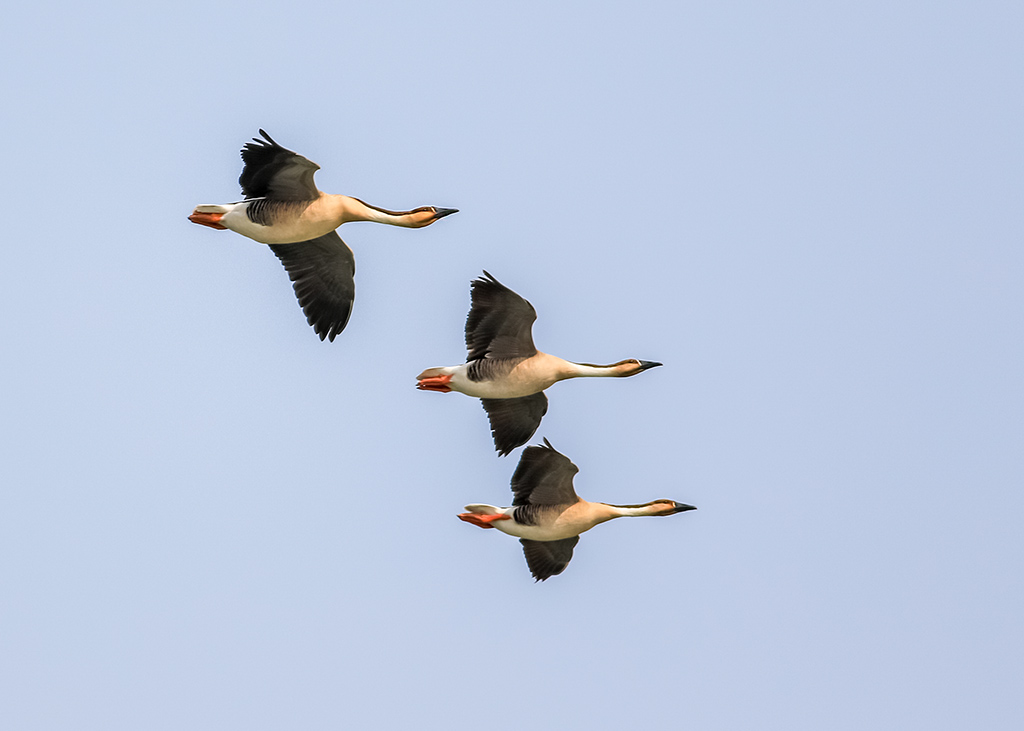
284, 208
547, 516
504, 368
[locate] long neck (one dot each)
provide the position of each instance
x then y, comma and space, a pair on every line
588, 370
630, 511
353, 209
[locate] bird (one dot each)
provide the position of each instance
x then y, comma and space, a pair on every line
284, 208
547, 516
504, 368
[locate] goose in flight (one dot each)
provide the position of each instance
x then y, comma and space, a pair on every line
547, 516
284, 208
504, 368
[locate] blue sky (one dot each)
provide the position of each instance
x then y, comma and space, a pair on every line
811, 213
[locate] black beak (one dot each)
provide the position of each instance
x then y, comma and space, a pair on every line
442, 212
645, 364
681, 508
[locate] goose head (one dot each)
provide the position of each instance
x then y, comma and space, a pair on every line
669, 507
425, 216
631, 367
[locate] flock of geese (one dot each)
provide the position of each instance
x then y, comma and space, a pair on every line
284, 209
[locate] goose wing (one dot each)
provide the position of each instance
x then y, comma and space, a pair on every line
271, 171
322, 271
544, 477
548, 558
514, 420
500, 322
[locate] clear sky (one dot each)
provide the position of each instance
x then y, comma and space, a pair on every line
810, 212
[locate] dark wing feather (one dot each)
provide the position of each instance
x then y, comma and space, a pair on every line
548, 558
272, 171
323, 272
499, 323
514, 420
491, 369
544, 477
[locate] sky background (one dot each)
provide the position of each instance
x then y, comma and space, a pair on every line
810, 212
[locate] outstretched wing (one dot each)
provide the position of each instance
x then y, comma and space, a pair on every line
499, 323
544, 477
548, 558
514, 420
322, 271
272, 171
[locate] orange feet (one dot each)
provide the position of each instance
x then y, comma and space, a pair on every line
207, 219
435, 383
484, 521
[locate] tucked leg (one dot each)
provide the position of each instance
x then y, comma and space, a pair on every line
484, 521
435, 383
207, 219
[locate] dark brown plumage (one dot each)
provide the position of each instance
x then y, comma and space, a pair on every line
500, 322
272, 171
548, 558
514, 420
323, 276
544, 477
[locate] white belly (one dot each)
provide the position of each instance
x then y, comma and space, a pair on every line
576, 519
537, 532
289, 231
529, 377
494, 389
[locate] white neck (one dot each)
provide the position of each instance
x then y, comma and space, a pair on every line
621, 511
585, 370
353, 209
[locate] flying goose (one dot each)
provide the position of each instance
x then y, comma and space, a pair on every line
548, 516
504, 368
283, 208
